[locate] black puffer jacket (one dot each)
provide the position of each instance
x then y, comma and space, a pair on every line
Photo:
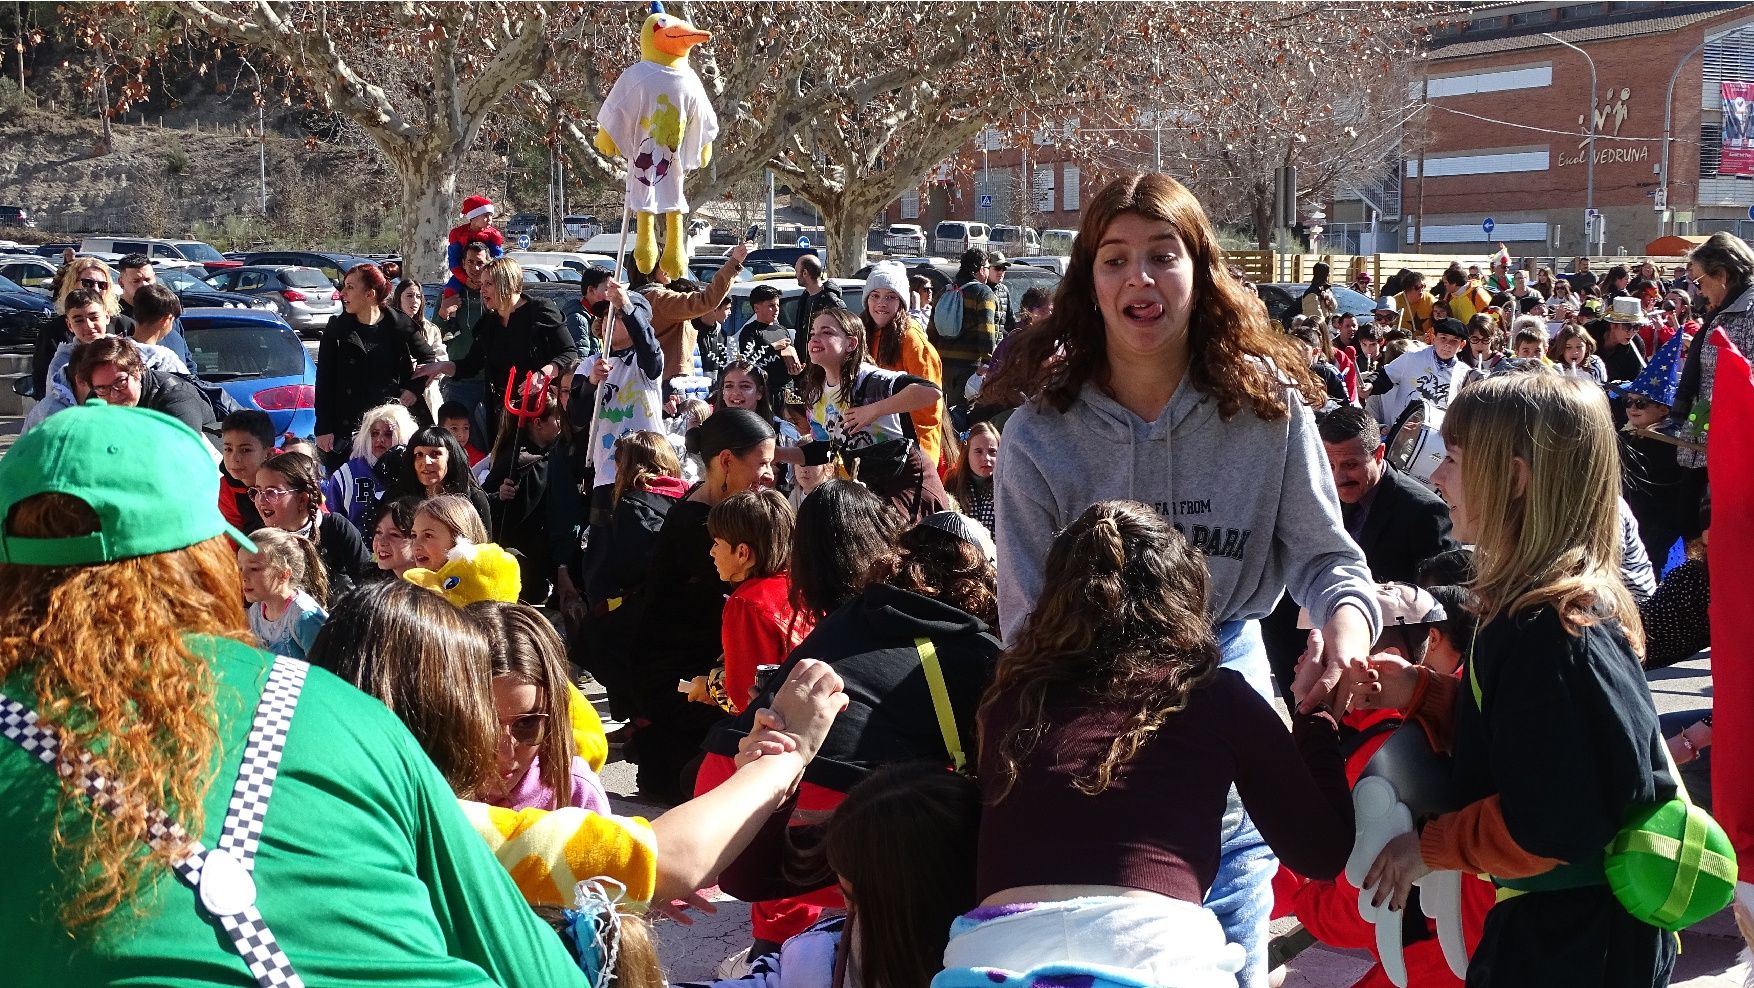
870, 642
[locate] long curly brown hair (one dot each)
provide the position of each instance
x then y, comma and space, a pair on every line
107, 650
1235, 354
933, 563
1121, 626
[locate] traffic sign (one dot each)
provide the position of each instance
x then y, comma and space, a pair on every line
1751, 212
1487, 225
523, 241
986, 202
803, 241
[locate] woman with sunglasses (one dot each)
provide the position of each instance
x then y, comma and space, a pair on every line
289, 496
93, 277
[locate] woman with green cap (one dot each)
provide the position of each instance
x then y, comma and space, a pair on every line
182, 808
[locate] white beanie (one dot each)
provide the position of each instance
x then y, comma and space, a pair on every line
890, 275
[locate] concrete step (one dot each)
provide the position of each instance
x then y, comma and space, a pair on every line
14, 363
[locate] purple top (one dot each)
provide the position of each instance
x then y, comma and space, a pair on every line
530, 794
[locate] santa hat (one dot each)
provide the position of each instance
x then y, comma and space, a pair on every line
477, 206
1502, 257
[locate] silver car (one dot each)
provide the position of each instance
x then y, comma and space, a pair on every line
304, 297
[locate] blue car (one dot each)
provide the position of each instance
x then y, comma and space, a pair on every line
23, 313
257, 358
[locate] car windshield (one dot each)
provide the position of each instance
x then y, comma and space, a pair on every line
8, 285
195, 250
180, 281
305, 278
225, 350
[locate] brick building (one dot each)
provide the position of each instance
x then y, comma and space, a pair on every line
1509, 106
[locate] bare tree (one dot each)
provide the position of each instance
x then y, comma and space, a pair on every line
418, 80
1323, 87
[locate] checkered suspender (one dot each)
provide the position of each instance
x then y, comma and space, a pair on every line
229, 901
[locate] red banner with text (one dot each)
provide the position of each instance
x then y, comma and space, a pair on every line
1736, 149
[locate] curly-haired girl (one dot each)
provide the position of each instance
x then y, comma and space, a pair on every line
1108, 742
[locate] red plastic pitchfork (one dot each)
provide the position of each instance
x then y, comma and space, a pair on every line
534, 401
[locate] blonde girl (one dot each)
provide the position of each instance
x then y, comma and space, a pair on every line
354, 488
439, 524
1555, 737
283, 581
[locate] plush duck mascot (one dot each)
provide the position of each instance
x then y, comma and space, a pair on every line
657, 118
474, 573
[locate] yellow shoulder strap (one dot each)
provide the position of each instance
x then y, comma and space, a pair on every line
941, 702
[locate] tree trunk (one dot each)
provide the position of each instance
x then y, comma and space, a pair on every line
1262, 207
429, 203
846, 219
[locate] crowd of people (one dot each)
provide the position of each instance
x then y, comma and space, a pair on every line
973, 641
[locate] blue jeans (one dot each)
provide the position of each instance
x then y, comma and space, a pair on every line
1242, 895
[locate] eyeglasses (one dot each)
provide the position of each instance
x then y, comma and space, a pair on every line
95, 284
1638, 404
116, 386
1477, 339
526, 728
258, 493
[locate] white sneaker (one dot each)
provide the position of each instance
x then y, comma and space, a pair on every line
735, 966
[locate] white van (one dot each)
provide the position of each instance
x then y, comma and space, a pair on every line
1015, 241
155, 248
952, 237
561, 259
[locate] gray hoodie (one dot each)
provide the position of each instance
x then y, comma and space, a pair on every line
1257, 497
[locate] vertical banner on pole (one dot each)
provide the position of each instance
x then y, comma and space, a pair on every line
1736, 138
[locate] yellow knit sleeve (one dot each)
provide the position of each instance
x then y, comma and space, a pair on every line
587, 730
547, 852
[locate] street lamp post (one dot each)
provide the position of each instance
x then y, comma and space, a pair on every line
1589, 208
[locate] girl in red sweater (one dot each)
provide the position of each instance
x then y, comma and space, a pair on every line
752, 548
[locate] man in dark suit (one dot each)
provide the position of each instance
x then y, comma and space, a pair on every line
1397, 521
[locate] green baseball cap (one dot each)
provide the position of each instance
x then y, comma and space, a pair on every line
151, 479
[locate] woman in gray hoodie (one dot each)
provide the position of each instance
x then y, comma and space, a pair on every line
1160, 379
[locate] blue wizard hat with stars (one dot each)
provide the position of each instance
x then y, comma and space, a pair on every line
1660, 377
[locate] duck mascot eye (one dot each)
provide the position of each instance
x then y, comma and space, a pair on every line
472, 572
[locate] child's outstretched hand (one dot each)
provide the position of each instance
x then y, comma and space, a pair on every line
767, 737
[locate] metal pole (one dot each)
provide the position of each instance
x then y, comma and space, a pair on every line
1157, 144
768, 239
1590, 192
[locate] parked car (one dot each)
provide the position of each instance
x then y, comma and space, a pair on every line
156, 248
532, 225
1058, 240
576, 260
333, 266
16, 216
1056, 263
785, 233
23, 313
1282, 301
28, 270
702, 270
258, 359
196, 292
852, 292
580, 227
1021, 278
541, 273
1015, 241
55, 250
904, 238
952, 237
304, 297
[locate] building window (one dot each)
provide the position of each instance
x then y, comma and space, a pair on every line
1582, 11
910, 205
1044, 190
1496, 81
1711, 139
1069, 189
1492, 163
1532, 17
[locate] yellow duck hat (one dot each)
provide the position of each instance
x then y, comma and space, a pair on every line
472, 572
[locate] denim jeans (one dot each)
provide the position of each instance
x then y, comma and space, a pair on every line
1242, 895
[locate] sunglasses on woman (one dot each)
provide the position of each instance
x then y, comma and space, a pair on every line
526, 729
94, 284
